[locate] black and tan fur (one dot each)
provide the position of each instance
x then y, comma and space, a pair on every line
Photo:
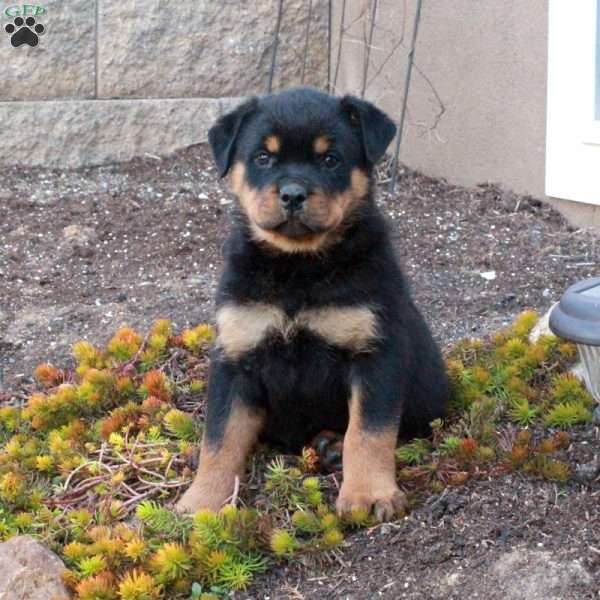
316, 327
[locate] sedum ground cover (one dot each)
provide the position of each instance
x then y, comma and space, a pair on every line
93, 462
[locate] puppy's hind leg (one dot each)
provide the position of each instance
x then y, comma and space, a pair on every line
232, 429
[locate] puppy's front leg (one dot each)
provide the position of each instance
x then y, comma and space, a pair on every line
369, 466
232, 428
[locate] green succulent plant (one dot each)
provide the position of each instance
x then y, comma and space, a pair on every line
119, 428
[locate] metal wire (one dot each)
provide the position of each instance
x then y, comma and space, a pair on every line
307, 37
329, 29
339, 50
411, 57
275, 46
368, 50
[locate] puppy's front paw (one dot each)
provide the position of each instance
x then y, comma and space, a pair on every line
198, 498
386, 503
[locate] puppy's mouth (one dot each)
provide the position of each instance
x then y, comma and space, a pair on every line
294, 227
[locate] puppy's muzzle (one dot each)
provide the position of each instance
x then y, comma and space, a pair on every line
292, 197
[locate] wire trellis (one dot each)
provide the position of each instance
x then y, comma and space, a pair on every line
369, 17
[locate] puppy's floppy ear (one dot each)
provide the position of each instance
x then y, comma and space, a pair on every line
376, 129
224, 133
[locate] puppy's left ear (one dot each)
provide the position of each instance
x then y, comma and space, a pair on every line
377, 130
223, 135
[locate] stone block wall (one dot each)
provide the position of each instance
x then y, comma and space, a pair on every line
111, 79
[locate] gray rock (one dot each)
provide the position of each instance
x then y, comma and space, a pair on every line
30, 571
208, 49
587, 472
596, 415
62, 65
542, 327
78, 241
524, 574
92, 132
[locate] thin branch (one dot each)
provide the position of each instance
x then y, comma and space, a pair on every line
386, 60
440, 114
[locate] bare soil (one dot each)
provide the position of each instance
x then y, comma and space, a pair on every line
84, 251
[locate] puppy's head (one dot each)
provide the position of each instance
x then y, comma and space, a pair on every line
300, 163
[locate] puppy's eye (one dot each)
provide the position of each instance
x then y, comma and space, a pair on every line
264, 160
330, 161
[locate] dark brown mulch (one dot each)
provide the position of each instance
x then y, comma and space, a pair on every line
82, 251
145, 242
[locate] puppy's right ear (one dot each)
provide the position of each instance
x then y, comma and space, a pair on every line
224, 133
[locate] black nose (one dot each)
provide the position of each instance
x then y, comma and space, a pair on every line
292, 195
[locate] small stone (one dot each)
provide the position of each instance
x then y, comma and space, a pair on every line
596, 415
78, 241
542, 327
30, 571
587, 472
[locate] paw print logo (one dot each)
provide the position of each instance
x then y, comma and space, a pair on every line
24, 31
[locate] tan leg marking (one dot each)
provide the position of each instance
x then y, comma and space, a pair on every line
321, 144
351, 327
242, 327
215, 479
273, 144
369, 468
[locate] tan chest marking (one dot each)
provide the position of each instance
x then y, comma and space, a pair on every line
242, 327
350, 327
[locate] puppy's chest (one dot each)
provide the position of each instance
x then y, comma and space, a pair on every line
244, 327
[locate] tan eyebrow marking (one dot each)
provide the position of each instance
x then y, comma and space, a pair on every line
321, 144
273, 144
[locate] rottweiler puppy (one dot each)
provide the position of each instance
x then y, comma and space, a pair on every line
315, 325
